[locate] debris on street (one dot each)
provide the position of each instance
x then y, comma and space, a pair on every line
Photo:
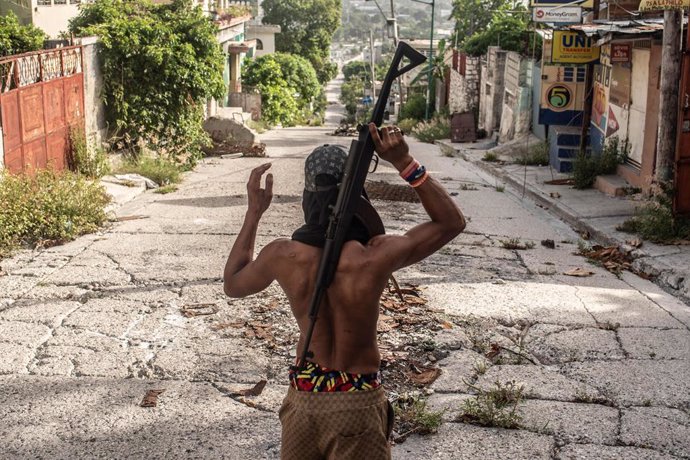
256, 390
151, 398
579, 271
199, 309
551, 244
611, 258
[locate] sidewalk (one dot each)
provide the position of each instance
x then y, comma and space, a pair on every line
587, 211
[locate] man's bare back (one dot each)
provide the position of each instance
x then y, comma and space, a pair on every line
345, 333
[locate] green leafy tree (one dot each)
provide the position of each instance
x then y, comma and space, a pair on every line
306, 29
473, 16
16, 38
160, 63
509, 30
290, 90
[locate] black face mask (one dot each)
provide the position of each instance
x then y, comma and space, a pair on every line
317, 210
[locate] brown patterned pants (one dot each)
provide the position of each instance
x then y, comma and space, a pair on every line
336, 426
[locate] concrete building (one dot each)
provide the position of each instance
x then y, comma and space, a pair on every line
51, 16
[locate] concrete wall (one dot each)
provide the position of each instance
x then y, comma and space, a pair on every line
463, 90
537, 129
94, 108
266, 34
492, 71
53, 19
250, 103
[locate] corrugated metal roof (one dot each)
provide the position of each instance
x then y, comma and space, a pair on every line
641, 26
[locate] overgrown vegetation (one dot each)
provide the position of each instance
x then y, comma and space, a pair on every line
407, 125
159, 170
508, 28
306, 29
495, 406
16, 38
290, 90
655, 220
414, 417
587, 167
90, 162
414, 108
48, 208
516, 243
429, 131
536, 156
160, 63
490, 157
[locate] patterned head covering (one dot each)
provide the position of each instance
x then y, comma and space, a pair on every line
328, 160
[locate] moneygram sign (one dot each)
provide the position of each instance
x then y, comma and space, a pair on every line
558, 14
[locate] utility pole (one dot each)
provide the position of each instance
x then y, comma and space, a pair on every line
589, 94
431, 58
668, 97
371, 61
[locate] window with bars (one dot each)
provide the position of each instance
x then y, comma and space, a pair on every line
44, 2
59, 2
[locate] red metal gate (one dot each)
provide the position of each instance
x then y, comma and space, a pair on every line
42, 96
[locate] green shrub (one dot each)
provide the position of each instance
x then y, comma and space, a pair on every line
92, 163
655, 220
429, 131
587, 167
414, 107
48, 207
159, 170
407, 125
537, 156
16, 38
491, 157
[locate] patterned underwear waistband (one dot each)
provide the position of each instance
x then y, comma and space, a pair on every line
316, 379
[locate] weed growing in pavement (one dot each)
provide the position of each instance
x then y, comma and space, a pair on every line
490, 157
92, 163
480, 367
495, 406
655, 220
159, 170
587, 167
429, 131
414, 417
647, 402
164, 190
467, 187
515, 243
259, 126
500, 188
537, 156
47, 208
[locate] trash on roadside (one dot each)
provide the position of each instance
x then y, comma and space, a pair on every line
635, 242
555, 195
421, 375
551, 244
199, 309
151, 398
612, 258
579, 272
256, 390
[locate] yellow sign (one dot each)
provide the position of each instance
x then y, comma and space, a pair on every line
658, 5
573, 48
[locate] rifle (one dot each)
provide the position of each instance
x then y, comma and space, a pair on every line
350, 189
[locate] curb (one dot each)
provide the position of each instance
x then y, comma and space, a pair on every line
677, 283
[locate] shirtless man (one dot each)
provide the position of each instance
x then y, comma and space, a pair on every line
336, 407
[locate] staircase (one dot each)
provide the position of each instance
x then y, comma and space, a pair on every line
564, 144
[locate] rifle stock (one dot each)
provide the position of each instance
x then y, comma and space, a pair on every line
356, 168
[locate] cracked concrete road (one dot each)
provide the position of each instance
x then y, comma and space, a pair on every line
87, 328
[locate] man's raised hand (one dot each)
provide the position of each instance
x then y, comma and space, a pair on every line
391, 145
259, 199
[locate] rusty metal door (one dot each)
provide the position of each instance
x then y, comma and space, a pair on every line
42, 98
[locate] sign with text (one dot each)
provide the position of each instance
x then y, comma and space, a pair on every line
620, 52
659, 5
584, 4
558, 14
573, 48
